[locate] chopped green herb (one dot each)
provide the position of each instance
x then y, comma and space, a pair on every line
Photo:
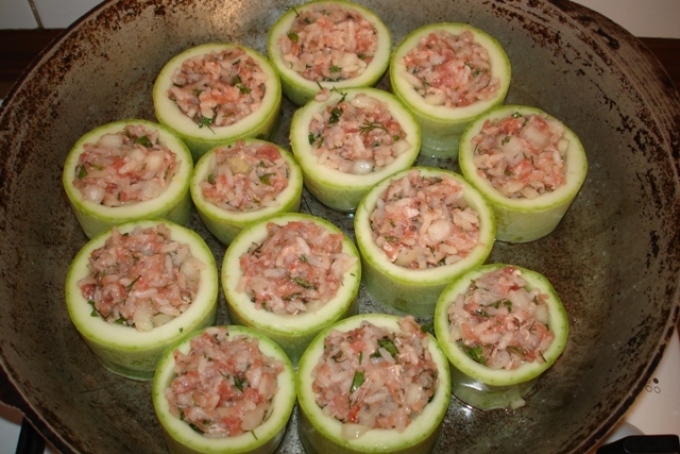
129, 286
239, 382
304, 284
388, 345
357, 381
144, 141
265, 178
293, 37
335, 69
516, 115
506, 139
205, 121
335, 115
82, 172
476, 353
211, 178
369, 126
516, 350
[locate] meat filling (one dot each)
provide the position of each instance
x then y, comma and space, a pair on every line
329, 43
219, 88
423, 222
500, 322
224, 385
450, 70
374, 378
358, 136
298, 266
522, 155
143, 278
126, 167
245, 177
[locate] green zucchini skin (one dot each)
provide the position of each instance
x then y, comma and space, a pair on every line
122, 349
442, 127
523, 220
224, 224
415, 292
259, 124
339, 190
300, 90
174, 204
292, 333
474, 383
182, 439
322, 434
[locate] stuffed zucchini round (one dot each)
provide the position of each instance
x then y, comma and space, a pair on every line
529, 166
236, 184
416, 230
328, 44
372, 383
348, 140
290, 276
225, 389
501, 327
216, 93
448, 74
125, 171
133, 290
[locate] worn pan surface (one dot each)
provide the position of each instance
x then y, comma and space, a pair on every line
614, 259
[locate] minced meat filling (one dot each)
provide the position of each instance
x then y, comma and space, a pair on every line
219, 88
329, 43
357, 136
224, 385
500, 322
423, 222
245, 177
372, 377
522, 155
125, 167
450, 70
142, 278
298, 265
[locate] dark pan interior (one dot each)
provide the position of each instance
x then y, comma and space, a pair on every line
614, 259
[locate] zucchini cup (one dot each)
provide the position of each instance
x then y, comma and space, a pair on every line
348, 140
225, 389
299, 48
236, 184
501, 326
206, 108
126, 171
416, 230
372, 383
289, 277
448, 74
133, 290
528, 164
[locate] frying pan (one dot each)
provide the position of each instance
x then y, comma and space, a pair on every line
614, 259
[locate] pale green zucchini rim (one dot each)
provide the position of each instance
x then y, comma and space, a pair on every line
264, 438
440, 113
225, 224
558, 324
576, 162
374, 440
300, 90
174, 204
289, 327
109, 339
329, 185
199, 139
375, 257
